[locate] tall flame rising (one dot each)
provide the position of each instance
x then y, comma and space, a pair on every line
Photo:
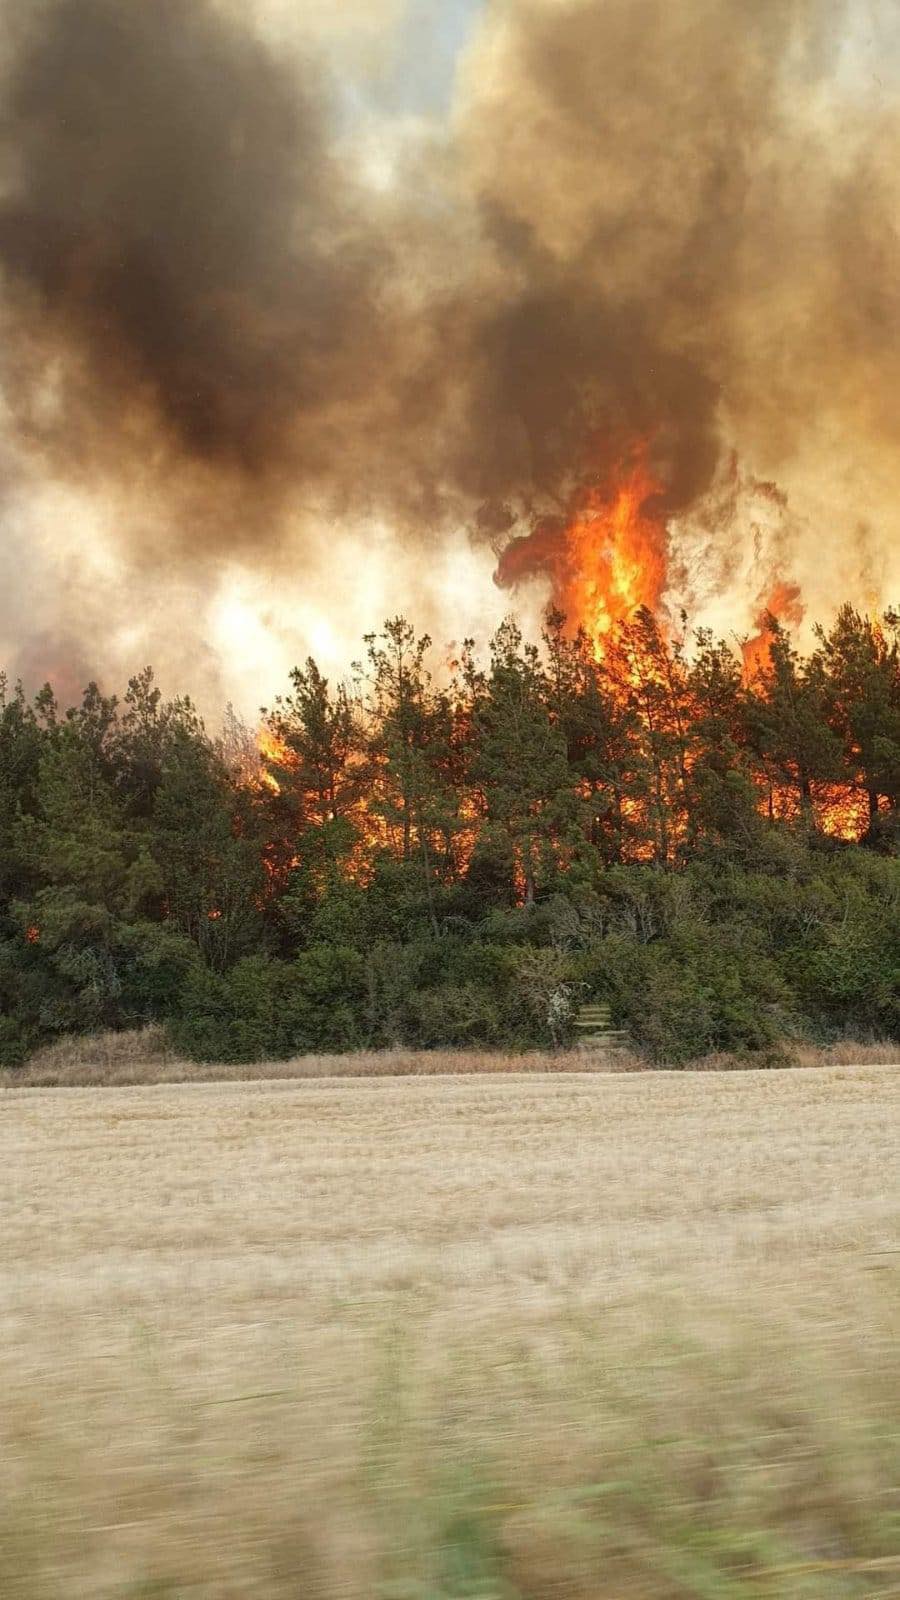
606, 557
273, 752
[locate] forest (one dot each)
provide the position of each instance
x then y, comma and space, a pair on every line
462, 852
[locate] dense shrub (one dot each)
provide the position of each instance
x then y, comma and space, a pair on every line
714, 958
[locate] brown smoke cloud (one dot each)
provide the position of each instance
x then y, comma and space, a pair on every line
674, 222
704, 219
179, 242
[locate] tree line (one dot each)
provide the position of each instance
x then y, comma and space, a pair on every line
463, 858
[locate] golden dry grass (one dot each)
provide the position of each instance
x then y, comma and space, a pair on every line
582, 1337
144, 1055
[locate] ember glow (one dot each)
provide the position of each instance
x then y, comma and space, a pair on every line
358, 804
840, 810
606, 558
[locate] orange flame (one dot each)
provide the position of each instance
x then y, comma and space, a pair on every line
840, 810
273, 752
785, 605
607, 558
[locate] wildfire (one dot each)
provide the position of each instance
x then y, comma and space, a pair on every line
607, 557
606, 560
372, 832
841, 810
273, 752
785, 605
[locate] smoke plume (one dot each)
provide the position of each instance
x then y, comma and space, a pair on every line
237, 311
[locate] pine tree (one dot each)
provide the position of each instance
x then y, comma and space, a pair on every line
861, 661
21, 743
145, 726
520, 766
601, 733
93, 880
410, 748
648, 674
210, 873
786, 712
723, 804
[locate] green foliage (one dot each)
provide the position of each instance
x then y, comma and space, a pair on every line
210, 873
860, 664
453, 990
690, 994
263, 1008
464, 864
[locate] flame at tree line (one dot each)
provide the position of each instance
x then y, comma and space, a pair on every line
502, 782
606, 557
365, 879
785, 605
650, 747
606, 560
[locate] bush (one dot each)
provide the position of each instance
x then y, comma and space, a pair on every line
270, 1009
683, 997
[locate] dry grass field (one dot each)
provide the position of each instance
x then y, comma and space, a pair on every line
553, 1337
144, 1055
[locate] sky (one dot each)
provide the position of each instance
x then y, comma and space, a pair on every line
430, 38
